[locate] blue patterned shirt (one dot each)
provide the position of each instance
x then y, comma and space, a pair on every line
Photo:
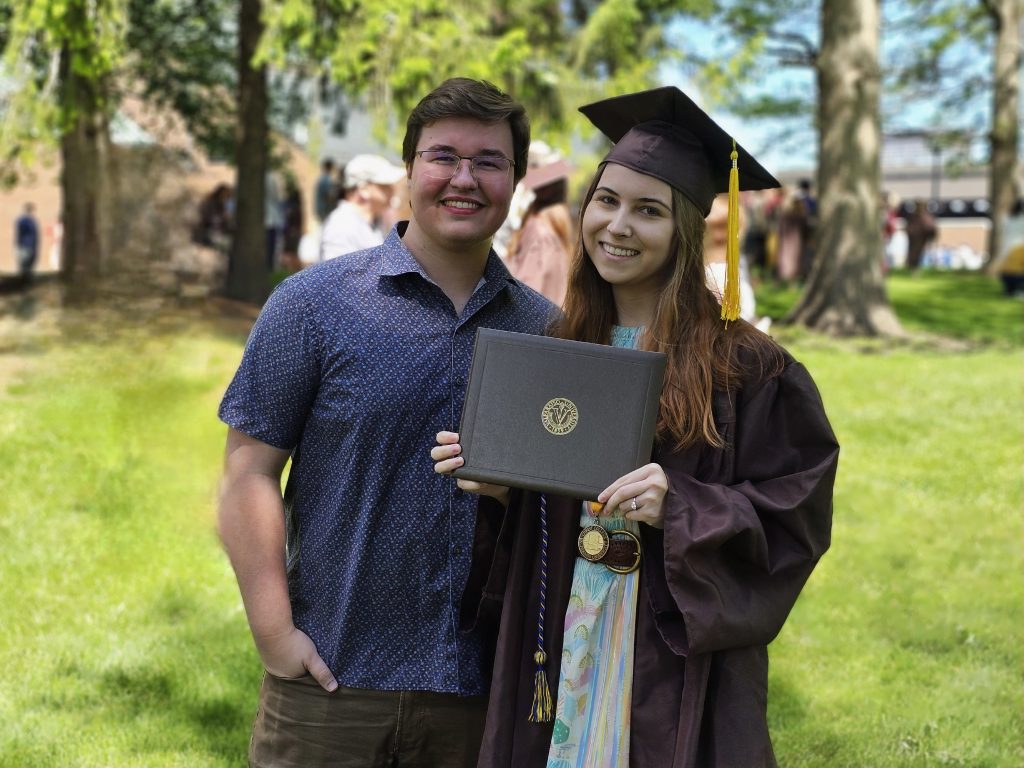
355, 365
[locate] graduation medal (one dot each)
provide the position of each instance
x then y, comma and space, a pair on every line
593, 541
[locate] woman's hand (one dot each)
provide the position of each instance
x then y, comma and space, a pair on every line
639, 495
447, 458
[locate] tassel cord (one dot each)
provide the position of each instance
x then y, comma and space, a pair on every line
731, 291
541, 709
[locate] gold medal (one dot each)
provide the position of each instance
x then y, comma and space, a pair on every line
593, 543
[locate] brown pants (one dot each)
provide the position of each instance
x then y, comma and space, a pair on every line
300, 725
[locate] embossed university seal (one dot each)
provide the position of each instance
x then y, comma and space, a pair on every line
560, 416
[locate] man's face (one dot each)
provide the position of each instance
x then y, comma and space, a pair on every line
377, 197
463, 211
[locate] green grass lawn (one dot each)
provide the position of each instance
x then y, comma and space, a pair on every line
123, 641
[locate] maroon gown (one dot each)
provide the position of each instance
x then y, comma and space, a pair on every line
744, 527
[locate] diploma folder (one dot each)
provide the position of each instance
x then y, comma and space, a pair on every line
557, 416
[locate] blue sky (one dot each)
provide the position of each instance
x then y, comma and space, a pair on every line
797, 151
760, 137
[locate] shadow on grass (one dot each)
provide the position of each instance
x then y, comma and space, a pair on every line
799, 736
787, 704
43, 316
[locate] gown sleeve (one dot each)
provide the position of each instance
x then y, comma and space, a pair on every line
493, 541
737, 553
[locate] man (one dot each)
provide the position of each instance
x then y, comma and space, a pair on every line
353, 224
273, 218
324, 193
26, 241
351, 584
809, 231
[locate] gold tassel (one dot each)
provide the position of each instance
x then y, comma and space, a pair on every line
541, 712
731, 292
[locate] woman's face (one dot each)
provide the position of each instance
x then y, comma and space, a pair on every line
628, 228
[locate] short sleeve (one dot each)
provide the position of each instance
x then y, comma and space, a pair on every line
277, 381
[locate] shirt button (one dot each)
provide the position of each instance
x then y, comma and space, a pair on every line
457, 549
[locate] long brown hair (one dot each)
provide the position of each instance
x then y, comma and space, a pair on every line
703, 352
559, 219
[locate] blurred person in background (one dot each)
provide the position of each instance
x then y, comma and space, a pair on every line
56, 235
1010, 261
538, 251
755, 237
921, 231
355, 223
716, 237
26, 242
213, 228
890, 223
325, 193
273, 218
293, 216
810, 227
398, 209
790, 227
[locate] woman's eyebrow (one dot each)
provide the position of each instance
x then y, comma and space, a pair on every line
653, 200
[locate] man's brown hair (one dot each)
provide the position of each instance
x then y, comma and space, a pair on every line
476, 99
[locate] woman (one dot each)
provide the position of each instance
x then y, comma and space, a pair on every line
921, 231
790, 240
665, 665
539, 251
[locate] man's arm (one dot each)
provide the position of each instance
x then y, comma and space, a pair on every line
252, 528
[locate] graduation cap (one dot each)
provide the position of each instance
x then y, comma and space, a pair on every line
540, 176
664, 134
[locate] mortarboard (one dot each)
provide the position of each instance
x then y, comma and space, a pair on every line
548, 184
664, 134
540, 176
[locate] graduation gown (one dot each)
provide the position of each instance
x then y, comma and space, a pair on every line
744, 526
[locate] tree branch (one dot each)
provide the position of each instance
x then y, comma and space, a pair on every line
992, 9
792, 57
790, 48
802, 41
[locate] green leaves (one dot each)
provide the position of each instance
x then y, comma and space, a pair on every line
48, 43
551, 56
182, 54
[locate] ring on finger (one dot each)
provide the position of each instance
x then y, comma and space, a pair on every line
632, 504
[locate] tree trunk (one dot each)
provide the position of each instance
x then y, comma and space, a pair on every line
1006, 19
845, 292
248, 272
85, 183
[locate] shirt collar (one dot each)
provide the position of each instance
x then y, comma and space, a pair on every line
396, 259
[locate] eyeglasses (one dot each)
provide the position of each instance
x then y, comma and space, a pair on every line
439, 164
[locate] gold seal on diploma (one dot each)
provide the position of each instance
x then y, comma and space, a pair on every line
560, 416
